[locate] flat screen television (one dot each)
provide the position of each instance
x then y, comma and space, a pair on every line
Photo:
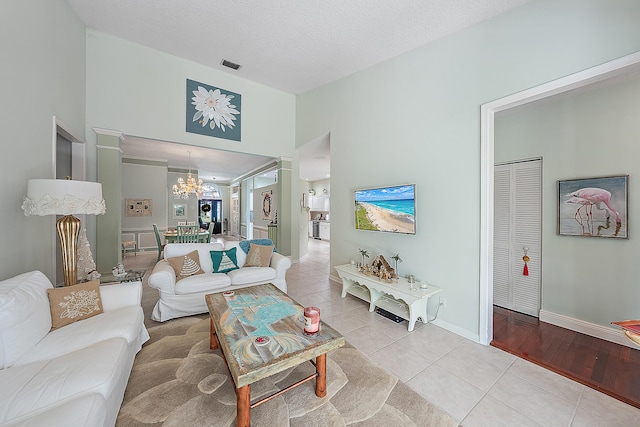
390, 209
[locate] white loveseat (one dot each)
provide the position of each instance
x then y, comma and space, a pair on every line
186, 297
72, 376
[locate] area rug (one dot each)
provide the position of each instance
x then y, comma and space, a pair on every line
178, 381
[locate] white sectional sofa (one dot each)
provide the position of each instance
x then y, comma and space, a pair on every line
72, 376
186, 297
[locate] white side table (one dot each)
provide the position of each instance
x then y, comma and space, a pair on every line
397, 298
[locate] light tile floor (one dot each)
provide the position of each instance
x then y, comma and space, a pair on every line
478, 385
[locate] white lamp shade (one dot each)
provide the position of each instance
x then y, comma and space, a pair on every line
63, 197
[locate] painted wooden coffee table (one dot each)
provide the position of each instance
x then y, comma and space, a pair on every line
260, 332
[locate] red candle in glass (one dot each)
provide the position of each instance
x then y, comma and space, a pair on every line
311, 320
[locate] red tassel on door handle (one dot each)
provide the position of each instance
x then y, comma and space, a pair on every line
526, 259
525, 270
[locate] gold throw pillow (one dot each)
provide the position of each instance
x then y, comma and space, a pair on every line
259, 256
73, 303
186, 265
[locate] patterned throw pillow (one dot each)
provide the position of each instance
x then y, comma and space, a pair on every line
224, 261
73, 303
259, 256
186, 265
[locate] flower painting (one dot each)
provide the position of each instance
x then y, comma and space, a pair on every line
213, 111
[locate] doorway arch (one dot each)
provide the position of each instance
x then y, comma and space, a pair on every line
615, 68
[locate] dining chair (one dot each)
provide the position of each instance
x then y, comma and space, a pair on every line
209, 237
158, 241
187, 234
203, 225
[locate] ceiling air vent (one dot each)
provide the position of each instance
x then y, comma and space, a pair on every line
230, 64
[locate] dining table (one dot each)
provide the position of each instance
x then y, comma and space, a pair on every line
171, 236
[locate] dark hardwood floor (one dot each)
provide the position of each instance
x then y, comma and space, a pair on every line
607, 367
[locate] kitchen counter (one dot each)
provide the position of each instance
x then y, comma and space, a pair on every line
321, 229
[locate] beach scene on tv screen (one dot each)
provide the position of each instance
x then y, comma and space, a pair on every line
390, 209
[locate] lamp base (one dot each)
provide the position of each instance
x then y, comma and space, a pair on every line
68, 228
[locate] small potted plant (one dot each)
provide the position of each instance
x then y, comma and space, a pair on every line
364, 254
396, 258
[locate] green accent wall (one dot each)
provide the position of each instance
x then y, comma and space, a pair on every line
42, 75
416, 119
285, 208
145, 180
108, 226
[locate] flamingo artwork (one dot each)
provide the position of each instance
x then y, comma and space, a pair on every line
587, 199
586, 206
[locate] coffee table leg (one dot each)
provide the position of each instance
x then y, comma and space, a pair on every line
243, 401
213, 340
321, 379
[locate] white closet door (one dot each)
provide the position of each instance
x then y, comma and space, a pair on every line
517, 225
501, 236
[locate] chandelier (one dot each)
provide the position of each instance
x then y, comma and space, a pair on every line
182, 190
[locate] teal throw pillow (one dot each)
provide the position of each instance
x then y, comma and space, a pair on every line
224, 261
244, 244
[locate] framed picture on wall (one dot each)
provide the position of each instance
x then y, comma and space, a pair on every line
138, 207
594, 207
179, 211
213, 111
267, 204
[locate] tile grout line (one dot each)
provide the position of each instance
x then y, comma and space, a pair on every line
486, 394
575, 410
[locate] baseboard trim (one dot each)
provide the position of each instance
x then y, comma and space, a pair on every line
456, 330
592, 329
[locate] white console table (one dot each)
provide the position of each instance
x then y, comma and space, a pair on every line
397, 298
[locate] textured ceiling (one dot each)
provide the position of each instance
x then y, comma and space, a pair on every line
290, 45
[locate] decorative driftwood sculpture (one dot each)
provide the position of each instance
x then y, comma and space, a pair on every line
383, 270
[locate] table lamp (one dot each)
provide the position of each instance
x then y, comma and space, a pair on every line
65, 197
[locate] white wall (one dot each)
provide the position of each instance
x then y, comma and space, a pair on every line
142, 92
322, 184
589, 134
42, 75
411, 119
260, 181
145, 181
225, 191
257, 205
417, 119
303, 216
191, 203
